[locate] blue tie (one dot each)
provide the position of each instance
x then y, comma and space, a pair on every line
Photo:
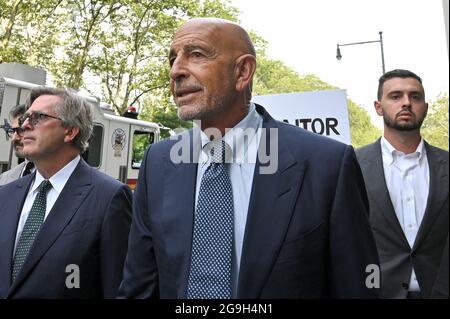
211, 256
31, 228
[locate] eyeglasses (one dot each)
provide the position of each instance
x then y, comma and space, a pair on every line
18, 130
35, 117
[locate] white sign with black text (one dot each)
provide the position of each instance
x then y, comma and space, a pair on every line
322, 112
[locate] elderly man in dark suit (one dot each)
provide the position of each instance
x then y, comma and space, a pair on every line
64, 228
216, 216
407, 186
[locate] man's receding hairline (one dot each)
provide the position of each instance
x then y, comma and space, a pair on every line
228, 26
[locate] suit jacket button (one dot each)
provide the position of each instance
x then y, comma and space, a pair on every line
405, 285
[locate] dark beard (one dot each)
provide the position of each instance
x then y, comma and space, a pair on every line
405, 127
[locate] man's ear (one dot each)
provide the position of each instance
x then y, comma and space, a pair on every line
245, 69
378, 108
70, 133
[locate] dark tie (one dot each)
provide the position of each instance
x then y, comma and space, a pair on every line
31, 228
28, 168
211, 255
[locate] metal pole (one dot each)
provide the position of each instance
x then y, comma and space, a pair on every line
382, 52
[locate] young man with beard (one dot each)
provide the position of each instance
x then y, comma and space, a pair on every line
15, 133
407, 185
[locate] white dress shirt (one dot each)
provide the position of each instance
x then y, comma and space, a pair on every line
58, 182
408, 181
244, 140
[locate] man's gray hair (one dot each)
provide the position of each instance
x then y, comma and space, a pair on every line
74, 111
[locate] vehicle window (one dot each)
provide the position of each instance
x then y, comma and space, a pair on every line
141, 141
93, 154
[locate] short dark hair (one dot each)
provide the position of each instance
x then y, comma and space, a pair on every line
17, 111
397, 73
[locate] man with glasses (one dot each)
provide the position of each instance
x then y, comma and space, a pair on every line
15, 133
64, 228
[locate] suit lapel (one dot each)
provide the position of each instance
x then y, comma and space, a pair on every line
378, 191
268, 213
178, 215
9, 219
72, 196
437, 194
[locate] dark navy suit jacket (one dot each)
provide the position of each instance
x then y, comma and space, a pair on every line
307, 233
88, 226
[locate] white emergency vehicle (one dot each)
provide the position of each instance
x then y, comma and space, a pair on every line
117, 145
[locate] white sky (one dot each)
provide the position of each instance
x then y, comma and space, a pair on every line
304, 33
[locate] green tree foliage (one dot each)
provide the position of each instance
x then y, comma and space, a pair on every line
29, 30
435, 126
83, 26
131, 57
274, 77
118, 50
141, 141
362, 130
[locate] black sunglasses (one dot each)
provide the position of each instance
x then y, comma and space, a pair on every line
18, 130
35, 117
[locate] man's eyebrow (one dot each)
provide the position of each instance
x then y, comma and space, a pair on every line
192, 47
188, 48
207, 50
394, 92
401, 92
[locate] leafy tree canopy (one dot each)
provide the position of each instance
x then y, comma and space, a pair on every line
118, 50
435, 126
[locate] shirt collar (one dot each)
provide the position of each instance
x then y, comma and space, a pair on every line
389, 153
240, 137
59, 179
421, 150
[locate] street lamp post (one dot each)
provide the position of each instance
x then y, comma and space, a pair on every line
339, 55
